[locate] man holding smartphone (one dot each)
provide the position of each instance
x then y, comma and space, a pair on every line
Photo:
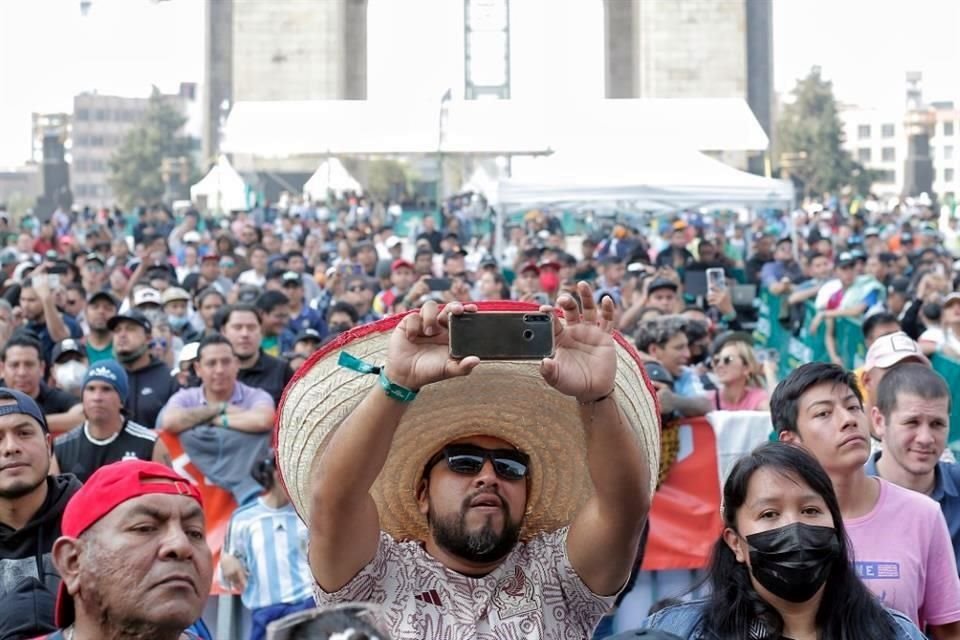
473, 500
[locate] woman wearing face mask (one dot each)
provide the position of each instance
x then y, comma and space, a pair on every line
782, 568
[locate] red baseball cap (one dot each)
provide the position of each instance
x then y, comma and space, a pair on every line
400, 263
109, 487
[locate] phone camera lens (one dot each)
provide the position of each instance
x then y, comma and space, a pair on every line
528, 335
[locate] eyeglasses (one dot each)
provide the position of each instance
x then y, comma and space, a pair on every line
726, 360
357, 288
468, 460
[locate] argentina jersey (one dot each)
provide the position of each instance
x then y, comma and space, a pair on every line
272, 545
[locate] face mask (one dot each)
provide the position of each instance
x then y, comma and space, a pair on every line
127, 358
177, 322
793, 562
69, 375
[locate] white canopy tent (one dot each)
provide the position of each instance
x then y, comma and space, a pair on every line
643, 179
222, 188
331, 175
487, 127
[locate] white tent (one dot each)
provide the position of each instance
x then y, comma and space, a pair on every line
640, 179
222, 188
480, 182
331, 175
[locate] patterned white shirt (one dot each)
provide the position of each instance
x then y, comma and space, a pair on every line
534, 594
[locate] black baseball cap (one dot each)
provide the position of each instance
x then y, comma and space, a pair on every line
133, 315
106, 295
65, 347
22, 404
662, 283
292, 278
308, 335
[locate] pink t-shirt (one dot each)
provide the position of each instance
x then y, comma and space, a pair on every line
750, 401
902, 552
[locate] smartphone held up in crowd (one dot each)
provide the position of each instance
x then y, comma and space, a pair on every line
502, 335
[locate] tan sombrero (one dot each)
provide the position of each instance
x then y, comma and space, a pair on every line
508, 400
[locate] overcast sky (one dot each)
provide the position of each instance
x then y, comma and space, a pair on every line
49, 52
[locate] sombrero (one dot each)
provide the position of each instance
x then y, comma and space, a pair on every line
508, 400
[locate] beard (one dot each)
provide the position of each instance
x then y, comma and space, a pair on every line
481, 546
22, 488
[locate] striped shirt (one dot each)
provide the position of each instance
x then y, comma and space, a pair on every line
79, 453
272, 545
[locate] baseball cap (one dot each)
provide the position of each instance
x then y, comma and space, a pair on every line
8, 257
529, 266
173, 294
211, 256
453, 253
871, 231
892, 348
899, 285
951, 298
488, 261
147, 296
96, 295
292, 277
112, 373
550, 264
131, 315
308, 334
66, 347
400, 263
662, 283
95, 257
110, 486
191, 237
846, 259
22, 404
393, 241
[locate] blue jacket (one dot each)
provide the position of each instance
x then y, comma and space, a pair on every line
686, 620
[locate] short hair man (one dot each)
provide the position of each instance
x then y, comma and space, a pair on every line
133, 556
68, 366
43, 319
101, 306
912, 418
302, 315
342, 317
222, 424
358, 291
23, 370
106, 436
665, 341
473, 487
401, 280
662, 294
241, 325
151, 384
31, 500
818, 406
886, 353
176, 304
878, 324
274, 310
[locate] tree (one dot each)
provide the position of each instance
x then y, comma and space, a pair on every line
136, 167
810, 140
387, 179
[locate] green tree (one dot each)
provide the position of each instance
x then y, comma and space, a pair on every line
136, 175
810, 141
387, 179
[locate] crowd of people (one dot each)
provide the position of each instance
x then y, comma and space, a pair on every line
467, 499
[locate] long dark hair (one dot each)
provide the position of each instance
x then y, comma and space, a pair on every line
848, 611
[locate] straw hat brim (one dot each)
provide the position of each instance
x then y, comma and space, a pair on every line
507, 400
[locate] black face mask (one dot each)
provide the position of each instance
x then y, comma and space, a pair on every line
793, 562
340, 327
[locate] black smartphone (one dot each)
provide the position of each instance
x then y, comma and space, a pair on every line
502, 335
439, 284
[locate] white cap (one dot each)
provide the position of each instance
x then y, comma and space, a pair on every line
147, 296
192, 237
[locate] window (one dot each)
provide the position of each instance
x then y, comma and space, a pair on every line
101, 115
887, 130
948, 175
863, 155
863, 131
886, 176
948, 128
947, 152
888, 154
84, 114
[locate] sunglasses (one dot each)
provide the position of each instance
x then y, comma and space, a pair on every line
357, 288
726, 360
468, 460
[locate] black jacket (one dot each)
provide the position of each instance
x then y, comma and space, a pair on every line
150, 388
26, 552
267, 373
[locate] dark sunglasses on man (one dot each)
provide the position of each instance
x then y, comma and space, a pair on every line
468, 459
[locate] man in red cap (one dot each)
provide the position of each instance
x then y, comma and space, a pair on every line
401, 280
133, 556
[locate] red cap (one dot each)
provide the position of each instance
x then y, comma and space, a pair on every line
109, 487
210, 256
400, 263
550, 264
529, 266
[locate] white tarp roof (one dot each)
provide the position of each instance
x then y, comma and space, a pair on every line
222, 187
639, 179
491, 127
331, 175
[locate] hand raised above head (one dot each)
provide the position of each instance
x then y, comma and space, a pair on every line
585, 363
419, 351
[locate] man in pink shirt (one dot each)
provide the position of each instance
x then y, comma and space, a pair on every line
902, 549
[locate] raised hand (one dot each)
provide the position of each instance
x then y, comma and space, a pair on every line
585, 362
419, 352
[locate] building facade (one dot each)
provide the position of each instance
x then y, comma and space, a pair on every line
268, 50
691, 49
877, 138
